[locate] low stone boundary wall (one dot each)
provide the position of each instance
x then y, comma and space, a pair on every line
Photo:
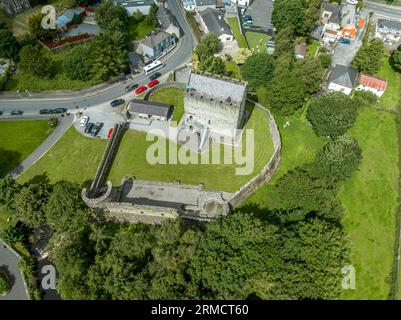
268, 170
165, 85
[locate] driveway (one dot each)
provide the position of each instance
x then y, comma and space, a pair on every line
261, 13
9, 261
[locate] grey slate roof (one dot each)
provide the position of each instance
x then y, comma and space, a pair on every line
135, 3
389, 24
334, 8
154, 39
220, 89
166, 18
344, 76
150, 108
214, 21
201, 3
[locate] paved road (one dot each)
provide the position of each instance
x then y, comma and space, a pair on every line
383, 10
31, 105
9, 261
64, 125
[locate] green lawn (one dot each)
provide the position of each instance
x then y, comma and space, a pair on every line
370, 199
392, 97
73, 158
234, 69
138, 30
233, 22
173, 96
299, 146
257, 41
312, 47
131, 161
18, 140
59, 81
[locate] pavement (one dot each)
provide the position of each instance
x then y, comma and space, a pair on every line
31, 103
9, 261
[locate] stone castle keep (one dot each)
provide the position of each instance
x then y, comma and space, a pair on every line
12, 7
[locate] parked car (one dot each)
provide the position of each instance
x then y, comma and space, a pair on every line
248, 19
45, 111
345, 41
96, 128
60, 110
131, 87
89, 127
84, 120
1, 112
117, 102
352, 1
16, 112
109, 133
140, 89
155, 76
153, 83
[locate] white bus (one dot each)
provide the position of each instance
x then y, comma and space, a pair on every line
155, 65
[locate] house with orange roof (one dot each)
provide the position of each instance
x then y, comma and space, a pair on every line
348, 21
372, 84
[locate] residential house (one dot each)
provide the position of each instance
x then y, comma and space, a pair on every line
132, 6
331, 20
388, 30
372, 84
300, 51
156, 43
348, 21
213, 21
204, 4
189, 5
69, 17
149, 110
342, 79
168, 22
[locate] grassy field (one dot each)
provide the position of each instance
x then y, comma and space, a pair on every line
312, 48
59, 81
19, 24
131, 161
299, 146
392, 97
138, 30
73, 158
233, 22
18, 140
370, 198
235, 72
257, 41
173, 96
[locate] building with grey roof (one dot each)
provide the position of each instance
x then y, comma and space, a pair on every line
388, 30
167, 21
156, 43
132, 6
331, 13
214, 104
342, 79
149, 110
213, 21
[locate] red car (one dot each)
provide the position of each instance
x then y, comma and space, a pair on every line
140, 89
110, 133
152, 83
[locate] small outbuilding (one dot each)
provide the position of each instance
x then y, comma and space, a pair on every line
300, 51
372, 84
150, 110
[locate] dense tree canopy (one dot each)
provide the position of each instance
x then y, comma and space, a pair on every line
209, 45
213, 65
369, 58
8, 189
9, 46
33, 59
35, 26
396, 58
310, 72
111, 16
78, 63
289, 13
258, 70
332, 114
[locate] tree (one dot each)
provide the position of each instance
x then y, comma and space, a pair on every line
65, 209
78, 63
369, 58
396, 59
303, 195
313, 253
33, 59
325, 60
111, 16
332, 114
35, 26
257, 70
5, 285
233, 252
30, 204
13, 235
213, 65
285, 93
283, 63
339, 158
209, 45
8, 190
284, 42
9, 46
310, 72
151, 18
242, 55
289, 13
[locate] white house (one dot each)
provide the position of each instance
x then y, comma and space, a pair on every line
133, 6
374, 85
213, 21
388, 30
242, 3
342, 79
149, 110
189, 5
